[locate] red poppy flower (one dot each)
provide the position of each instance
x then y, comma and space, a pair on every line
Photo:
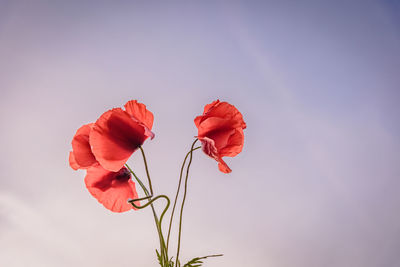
81, 156
220, 130
118, 133
112, 189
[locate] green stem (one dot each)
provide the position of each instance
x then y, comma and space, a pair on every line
147, 169
146, 192
183, 204
163, 249
138, 180
132, 201
177, 193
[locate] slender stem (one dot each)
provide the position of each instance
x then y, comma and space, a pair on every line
138, 180
132, 201
140, 199
152, 208
177, 193
163, 250
183, 204
147, 169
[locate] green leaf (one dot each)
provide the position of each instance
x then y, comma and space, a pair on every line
196, 262
159, 258
171, 262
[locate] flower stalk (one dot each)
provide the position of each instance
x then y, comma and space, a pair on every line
177, 263
177, 192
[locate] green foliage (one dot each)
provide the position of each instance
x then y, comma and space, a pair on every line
171, 263
196, 262
161, 262
159, 258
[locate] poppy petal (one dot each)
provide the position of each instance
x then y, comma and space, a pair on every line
221, 137
109, 190
227, 111
139, 112
198, 120
214, 125
209, 148
81, 148
210, 106
114, 137
221, 110
223, 167
148, 133
72, 162
234, 144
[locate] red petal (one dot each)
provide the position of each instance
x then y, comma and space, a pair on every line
139, 112
227, 111
210, 106
110, 191
217, 126
221, 137
223, 167
114, 137
208, 147
221, 110
200, 118
234, 144
72, 161
81, 148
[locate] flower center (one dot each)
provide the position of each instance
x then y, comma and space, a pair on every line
123, 175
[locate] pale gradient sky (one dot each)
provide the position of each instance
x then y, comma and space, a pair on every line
317, 184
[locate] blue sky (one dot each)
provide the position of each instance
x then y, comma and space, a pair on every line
317, 83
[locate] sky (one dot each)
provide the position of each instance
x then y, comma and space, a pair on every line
317, 183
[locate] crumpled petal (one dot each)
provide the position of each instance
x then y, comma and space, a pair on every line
140, 113
209, 148
82, 154
112, 189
